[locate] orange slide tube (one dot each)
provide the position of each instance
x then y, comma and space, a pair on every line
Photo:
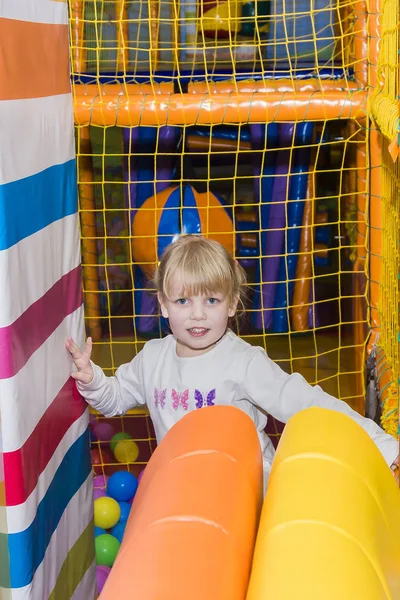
192, 527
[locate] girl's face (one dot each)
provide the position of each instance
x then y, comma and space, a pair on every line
197, 322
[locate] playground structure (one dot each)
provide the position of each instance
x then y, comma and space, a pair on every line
237, 104
334, 547
303, 191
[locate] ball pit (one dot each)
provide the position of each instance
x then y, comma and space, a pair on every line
113, 492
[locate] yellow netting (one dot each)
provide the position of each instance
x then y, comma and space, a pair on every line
388, 304
384, 215
177, 95
385, 105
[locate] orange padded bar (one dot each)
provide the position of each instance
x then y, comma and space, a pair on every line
192, 527
209, 109
277, 85
114, 90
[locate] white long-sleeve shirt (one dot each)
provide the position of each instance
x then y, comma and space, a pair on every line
232, 373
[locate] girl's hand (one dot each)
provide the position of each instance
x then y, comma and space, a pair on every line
84, 372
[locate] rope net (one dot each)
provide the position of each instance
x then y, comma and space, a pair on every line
249, 122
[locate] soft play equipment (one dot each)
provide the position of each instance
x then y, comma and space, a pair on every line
301, 30
170, 213
145, 177
297, 191
330, 524
219, 19
282, 188
192, 527
46, 527
301, 317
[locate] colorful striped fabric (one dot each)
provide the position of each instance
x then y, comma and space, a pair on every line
46, 528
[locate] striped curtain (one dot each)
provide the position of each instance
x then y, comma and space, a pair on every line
46, 529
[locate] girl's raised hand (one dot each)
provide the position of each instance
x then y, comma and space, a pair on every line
84, 372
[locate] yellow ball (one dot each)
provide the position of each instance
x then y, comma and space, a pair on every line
106, 512
126, 451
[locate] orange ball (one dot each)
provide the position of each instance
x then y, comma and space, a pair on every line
172, 212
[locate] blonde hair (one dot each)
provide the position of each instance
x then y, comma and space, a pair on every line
203, 266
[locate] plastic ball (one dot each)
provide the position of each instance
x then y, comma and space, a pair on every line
125, 509
102, 431
98, 493
100, 481
126, 451
139, 479
121, 435
122, 486
106, 547
100, 457
175, 210
106, 512
102, 572
118, 530
99, 531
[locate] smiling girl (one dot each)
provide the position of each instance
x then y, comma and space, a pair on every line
203, 363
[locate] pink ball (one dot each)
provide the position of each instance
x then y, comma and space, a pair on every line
102, 431
98, 493
140, 476
102, 572
100, 481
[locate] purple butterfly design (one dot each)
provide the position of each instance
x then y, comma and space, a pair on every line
204, 400
180, 398
159, 397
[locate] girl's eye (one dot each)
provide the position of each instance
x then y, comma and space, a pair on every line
181, 301
213, 300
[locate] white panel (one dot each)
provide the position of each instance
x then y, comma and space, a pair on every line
26, 271
38, 11
87, 589
70, 528
36, 133
26, 396
21, 516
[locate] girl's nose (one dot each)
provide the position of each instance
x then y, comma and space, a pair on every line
198, 313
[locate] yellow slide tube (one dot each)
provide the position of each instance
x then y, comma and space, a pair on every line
330, 527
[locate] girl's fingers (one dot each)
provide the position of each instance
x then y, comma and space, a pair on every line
88, 349
73, 349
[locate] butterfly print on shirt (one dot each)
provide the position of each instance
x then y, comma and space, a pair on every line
180, 398
204, 400
159, 397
